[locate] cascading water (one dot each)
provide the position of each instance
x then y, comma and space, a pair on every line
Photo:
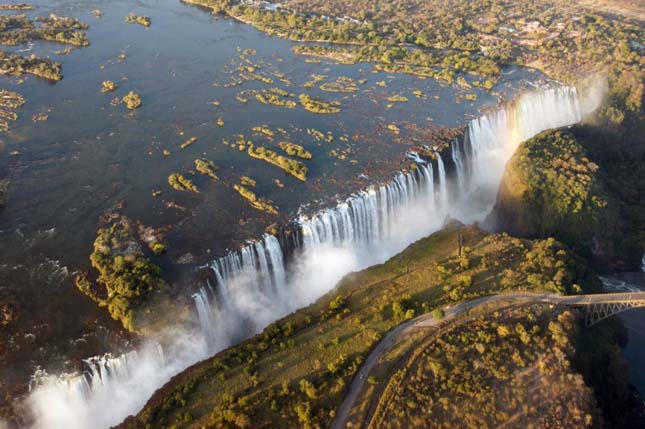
443, 193
456, 159
259, 284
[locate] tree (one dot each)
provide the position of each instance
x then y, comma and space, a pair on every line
438, 313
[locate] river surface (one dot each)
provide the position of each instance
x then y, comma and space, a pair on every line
91, 157
634, 321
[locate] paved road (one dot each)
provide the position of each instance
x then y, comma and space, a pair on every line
427, 320
600, 298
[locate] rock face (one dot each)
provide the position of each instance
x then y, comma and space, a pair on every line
551, 187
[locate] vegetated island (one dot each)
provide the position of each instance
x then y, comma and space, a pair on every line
447, 39
124, 279
293, 149
17, 65
132, 100
317, 105
17, 6
138, 19
181, 183
10, 102
207, 168
262, 204
108, 86
295, 168
19, 29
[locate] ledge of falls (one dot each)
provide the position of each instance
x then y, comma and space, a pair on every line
275, 275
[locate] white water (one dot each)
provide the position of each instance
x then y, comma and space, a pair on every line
459, 166
255, 286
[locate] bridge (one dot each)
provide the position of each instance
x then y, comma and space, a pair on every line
599, 307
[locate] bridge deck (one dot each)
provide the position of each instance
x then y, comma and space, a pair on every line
603, 298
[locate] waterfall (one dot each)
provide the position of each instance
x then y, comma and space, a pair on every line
379, 221
257, 284
443, 193
117, 386
456, 159
273, 249
388, 216
493, 137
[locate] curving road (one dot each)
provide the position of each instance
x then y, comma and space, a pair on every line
427, 320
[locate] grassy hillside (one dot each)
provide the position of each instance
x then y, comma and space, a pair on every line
295, 373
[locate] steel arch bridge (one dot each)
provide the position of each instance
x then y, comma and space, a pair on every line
601, 306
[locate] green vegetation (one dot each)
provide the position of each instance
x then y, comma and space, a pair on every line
446, 39
621, 156
438, 313
515, 363
244, 69
126, 278
17, 65
397, 98
296, 168
583, 186
188, 142
17, 6
19, 29
342, 56
295, 373
341, 84
10, 101
62, 30
206, 167
552, 188
138, 19
65, 51
108, 86
315, 78
158, 248
319, 136
263, 129
180, 183
247, 181
15, 29
261, 204
293, 149
275, 97
317, 105
132, 100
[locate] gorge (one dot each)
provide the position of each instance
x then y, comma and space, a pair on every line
277, 274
